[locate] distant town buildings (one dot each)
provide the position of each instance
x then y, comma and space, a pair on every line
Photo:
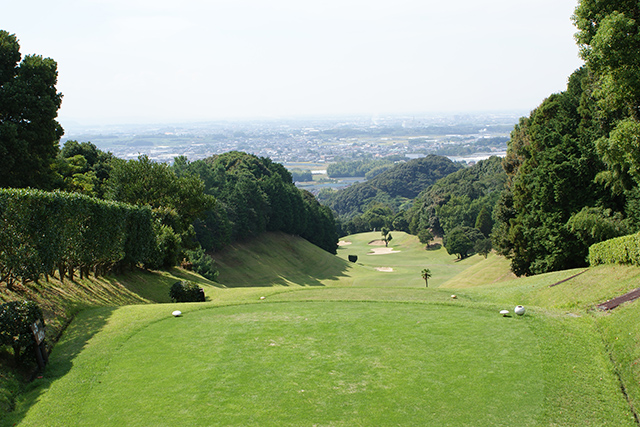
313, 141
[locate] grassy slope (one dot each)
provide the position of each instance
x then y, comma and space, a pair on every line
576, 351
278, 259
61, 301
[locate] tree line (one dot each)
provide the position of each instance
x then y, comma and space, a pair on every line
368, 168
571, 175
456, 202
573, 164
190, 206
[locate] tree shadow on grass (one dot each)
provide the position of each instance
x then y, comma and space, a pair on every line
76, 336
270, 277
433, 247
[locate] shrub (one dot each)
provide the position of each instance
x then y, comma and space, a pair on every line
202, 263
186, 291
619, 250
16, 318
167, 249
353, 258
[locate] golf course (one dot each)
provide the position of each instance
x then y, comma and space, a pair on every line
291, 335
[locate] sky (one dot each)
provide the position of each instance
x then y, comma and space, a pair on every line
155, 61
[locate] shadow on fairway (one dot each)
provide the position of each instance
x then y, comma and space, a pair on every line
277, 259
270, 277
76, 336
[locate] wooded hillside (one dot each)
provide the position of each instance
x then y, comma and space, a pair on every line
393, 187
574, 163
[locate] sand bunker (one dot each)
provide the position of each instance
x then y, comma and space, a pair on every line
386, 269
343, 243
382, 251
377, 243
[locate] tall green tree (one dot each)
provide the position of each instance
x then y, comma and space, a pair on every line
386, 236
609, 40
84, 168
574, 164
176, 202
552, 164
29, 103
484, 222
458, 243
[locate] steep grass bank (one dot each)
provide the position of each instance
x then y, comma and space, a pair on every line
60, 301
278, 259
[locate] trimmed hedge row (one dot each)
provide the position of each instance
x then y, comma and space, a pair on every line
619, 250
42, 231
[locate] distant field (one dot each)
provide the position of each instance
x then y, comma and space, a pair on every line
293, 336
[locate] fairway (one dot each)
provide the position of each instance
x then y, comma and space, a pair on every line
317, 363
284, 341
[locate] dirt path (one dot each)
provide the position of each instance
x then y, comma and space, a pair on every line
568, 278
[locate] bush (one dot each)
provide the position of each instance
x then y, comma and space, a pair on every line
186, 291
619, 250
16, 318
167, 249
202, 263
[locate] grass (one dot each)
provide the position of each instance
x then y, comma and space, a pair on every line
347, 363
288, 342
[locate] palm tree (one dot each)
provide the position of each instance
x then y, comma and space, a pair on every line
386, 236
426, 273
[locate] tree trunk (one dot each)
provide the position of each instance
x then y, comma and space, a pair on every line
61, 271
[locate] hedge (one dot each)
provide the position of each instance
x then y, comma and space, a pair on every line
43, 231
619, 250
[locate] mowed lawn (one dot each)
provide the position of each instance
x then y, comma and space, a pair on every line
307, 363
356, 347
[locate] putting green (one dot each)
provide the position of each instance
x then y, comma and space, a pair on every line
316, 363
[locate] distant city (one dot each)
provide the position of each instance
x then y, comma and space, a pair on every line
467, 137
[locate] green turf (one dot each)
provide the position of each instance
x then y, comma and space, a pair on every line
296, 337
348, 363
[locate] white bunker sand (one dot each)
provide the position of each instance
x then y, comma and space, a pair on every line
343, 243
382, 251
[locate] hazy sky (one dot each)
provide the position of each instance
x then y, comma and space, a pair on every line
158, 60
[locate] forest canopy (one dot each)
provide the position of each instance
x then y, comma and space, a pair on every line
573, 164
205, 204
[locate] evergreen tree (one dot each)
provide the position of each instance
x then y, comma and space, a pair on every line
609, 40
29, 103
483, 221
